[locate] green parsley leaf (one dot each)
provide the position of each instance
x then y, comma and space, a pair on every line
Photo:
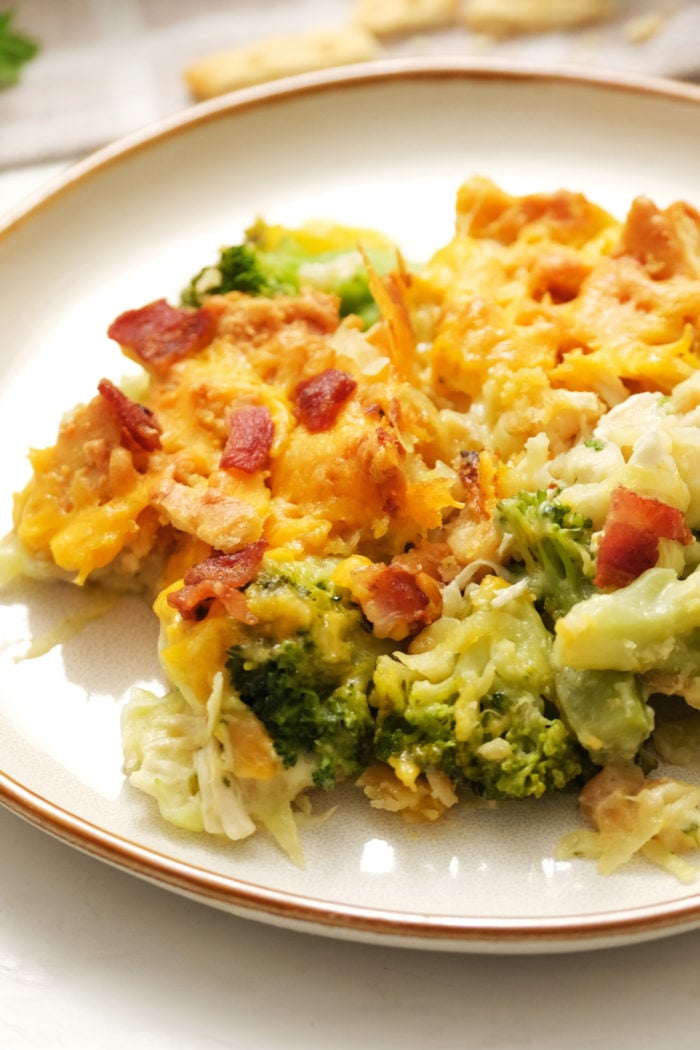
15, 50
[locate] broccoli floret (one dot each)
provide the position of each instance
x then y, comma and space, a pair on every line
241, 268
601, 703
517, 751
550, 544
606, 710
647, 625
273, 260
616, 648
473, 698
305, 669
543, 755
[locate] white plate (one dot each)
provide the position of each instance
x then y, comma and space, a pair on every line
385, 146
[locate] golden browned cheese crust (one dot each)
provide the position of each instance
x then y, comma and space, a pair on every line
541, 314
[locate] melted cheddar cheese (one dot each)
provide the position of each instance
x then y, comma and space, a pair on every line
542, 313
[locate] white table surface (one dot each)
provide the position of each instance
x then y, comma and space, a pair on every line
92, 958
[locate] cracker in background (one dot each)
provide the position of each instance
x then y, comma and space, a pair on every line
387, 17
505, 17
279, 56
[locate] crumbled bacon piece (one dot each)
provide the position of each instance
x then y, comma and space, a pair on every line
396, 601
220, 576
626, 551
159, 334
630, 541
250, 434
137, 421
320, 398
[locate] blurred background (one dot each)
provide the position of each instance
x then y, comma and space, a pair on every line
91, 957
102, 68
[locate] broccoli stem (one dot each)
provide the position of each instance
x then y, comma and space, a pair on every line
605, 710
